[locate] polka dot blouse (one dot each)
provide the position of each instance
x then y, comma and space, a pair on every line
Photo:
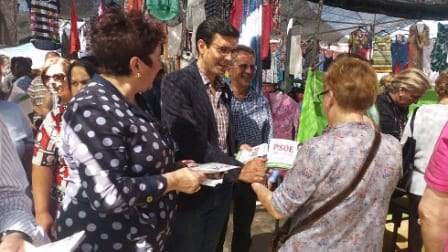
116, 153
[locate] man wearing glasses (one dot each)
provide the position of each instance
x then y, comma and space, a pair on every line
252, 118
196, 110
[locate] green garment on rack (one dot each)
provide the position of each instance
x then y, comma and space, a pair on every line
312, 117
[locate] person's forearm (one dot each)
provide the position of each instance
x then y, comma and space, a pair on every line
433, 212
19, 218
27, 161
42, 180
265, 197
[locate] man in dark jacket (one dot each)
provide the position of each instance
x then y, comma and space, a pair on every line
196, 110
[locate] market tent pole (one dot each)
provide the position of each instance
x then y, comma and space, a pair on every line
285, 85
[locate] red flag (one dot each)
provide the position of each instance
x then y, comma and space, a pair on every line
74, 36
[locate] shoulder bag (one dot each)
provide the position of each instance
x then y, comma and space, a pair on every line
408, 160
286, 231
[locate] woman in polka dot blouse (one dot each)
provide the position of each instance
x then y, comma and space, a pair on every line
123, 179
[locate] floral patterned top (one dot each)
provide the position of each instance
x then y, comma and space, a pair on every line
47, 151
285, 115
324, 167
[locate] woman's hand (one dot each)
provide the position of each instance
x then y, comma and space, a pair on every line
184, 180
13, 242
46, 221
245, 147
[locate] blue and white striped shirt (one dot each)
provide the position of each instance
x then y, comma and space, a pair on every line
15, 205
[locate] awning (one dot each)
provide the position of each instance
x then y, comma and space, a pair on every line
337, 22
411, 9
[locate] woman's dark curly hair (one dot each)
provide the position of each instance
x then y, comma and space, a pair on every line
117, 36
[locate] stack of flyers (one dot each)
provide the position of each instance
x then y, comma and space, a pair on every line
212, 170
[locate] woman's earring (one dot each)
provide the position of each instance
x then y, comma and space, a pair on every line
139, 75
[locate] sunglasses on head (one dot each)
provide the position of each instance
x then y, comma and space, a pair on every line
55, 77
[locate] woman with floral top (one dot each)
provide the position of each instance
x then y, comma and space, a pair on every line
327, 164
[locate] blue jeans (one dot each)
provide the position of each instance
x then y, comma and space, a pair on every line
199, 229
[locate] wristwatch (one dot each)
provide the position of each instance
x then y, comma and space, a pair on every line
24, 236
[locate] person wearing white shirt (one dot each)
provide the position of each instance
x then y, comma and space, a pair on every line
433, 117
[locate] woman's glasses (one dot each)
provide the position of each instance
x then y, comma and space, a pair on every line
55, 77
319, 95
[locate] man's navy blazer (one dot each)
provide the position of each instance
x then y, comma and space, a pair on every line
189, 116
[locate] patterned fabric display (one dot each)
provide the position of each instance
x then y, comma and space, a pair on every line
285, 115
382, 58
400, 53
44, 20
360, 42
439, 55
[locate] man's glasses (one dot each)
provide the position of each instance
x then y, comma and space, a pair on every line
319, 95
55, 77
243, 67
224, 50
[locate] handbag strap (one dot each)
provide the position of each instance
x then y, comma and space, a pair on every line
412, 121
344, 194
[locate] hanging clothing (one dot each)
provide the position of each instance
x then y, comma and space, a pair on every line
163, 10
360, 42
427, 50
439, 54
174, 34
277, 17
400, 54
133, 5
194, 16
250, 34
417, 40
218, 8
309, 55
44, 24
382, 57
74, 44
312, 117
236, 13
85, 39
270, 74
9, 10
65, 42
295, 50
267, 25
285, 115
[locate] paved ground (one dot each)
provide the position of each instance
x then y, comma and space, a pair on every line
264, 225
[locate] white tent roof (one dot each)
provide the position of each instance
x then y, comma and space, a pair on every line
26, 50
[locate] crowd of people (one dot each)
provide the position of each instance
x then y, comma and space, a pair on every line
110, 146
